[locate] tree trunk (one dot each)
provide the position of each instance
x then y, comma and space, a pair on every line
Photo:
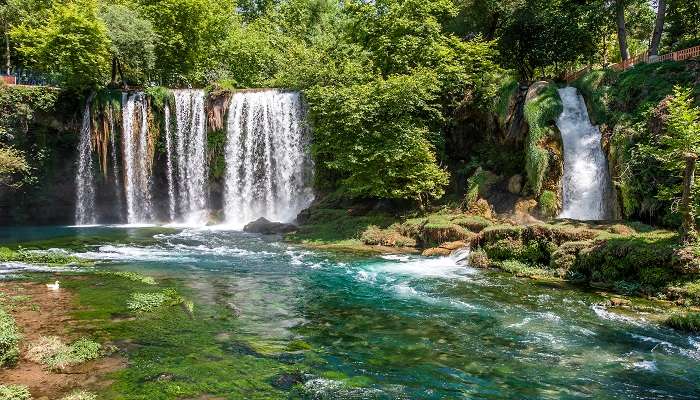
658, 29
622, 30
687, 214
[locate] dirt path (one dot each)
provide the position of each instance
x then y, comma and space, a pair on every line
39, 311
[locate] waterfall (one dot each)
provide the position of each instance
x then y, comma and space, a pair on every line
586, 181
136, 158
267, 158
116, 178
85, 181
190, 149
169, 163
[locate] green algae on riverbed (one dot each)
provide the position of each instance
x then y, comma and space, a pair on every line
272, 320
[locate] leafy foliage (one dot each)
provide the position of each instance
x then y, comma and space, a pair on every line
14, 392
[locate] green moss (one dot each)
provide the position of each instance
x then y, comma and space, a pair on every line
9, 339
325, 226
14, 392
147, 302
689, 322
508, 89
216, 144
160, 96
132, 276
519, 268
541, 113
31, 257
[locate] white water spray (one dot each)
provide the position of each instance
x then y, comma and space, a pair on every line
586, 181
169, 163
267, 158
85, 182
190, 148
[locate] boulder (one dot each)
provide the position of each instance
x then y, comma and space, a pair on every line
436, 251
266, 227
515, 184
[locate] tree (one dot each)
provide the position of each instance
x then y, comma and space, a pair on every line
372, 138
132, 42
658, 28
71, 43
678, 151
621, 29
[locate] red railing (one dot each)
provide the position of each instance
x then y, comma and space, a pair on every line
9, 79
679, 55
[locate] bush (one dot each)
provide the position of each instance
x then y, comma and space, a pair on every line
9, 340
56, 355
540, 112
689, 322
147, 302
479, 259
14, 392
374, 235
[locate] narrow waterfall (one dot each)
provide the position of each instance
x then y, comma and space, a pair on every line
85, 213
116, 175
586, 182
191, 151
169, 163
267, 158
136, 158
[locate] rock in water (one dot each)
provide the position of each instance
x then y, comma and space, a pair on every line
266, 227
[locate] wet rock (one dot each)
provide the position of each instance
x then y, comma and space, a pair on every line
266, 227
453, 245
436, 251
286, 381
515, 184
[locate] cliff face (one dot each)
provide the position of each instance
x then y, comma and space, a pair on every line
42, 123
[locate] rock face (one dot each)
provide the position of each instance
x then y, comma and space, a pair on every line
262, 225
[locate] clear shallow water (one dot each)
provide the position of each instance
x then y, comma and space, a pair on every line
400, 326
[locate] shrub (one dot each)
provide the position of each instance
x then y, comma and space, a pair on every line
548, 203
478, 258
689, 322
9, 340
14, 392
540, 112
374, 235
53, 353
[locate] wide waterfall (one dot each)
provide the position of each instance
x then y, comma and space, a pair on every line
189, 189
267, 160
85, 213
586, 182
136, 151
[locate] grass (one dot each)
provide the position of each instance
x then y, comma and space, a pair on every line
56, 355
540, 113
505, 93
14, 392
9, 339
326, 226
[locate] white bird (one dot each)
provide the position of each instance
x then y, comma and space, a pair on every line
52, 286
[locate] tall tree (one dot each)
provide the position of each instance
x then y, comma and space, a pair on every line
621, 29
658, 28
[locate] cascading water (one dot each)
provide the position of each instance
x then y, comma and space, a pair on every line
267, 159
190, 196
85, 181
136, 158
586, 181
169, 163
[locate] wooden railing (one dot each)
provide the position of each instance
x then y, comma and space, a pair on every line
9, 79
679, 55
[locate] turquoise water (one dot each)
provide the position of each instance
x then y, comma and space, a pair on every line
402, 327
